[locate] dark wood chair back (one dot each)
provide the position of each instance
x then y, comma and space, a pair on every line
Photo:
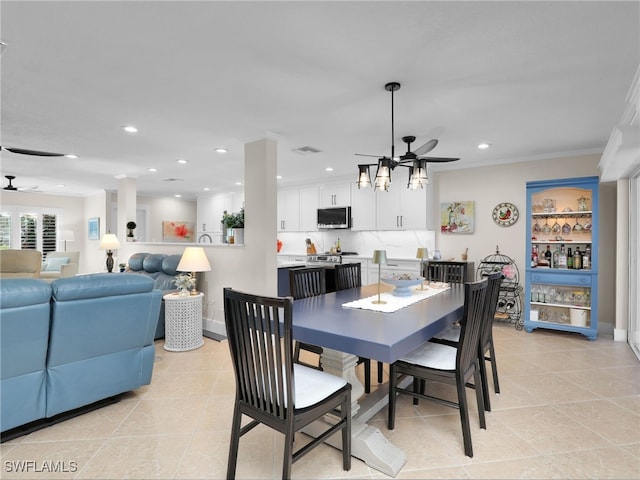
307, 282
448, 273
348, 275
471, 325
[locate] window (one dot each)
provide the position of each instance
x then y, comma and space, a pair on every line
32, 229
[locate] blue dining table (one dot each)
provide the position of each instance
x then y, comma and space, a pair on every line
347, 333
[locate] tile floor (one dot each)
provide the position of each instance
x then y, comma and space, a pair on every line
569, 408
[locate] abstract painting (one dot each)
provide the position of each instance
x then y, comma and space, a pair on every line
173, 231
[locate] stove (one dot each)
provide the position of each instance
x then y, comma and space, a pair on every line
327, 258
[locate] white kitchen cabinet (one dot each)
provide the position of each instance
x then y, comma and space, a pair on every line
209, 212
288, 210
401, 208
364, 267
308, 208
335, 195
393, 267
363, 208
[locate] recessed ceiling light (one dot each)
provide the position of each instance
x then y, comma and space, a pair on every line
329, 169
221, 150
279, 177
238, 183
482, 146
130, 129
61, 185
153, 170
177, 195
206, 189
182, 160
71, 155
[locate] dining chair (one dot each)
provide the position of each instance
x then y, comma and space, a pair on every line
445, 364
270, 388
303, 283
349, 275
451, 336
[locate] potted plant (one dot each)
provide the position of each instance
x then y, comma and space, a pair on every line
233, 226
185, 282
122, 266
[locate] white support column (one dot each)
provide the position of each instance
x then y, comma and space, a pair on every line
622, 261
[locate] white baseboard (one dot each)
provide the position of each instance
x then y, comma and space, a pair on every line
214, 327
619, 334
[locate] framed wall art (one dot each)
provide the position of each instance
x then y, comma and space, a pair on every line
457, 217
174, 231
94, 228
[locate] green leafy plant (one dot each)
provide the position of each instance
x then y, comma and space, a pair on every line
233, 220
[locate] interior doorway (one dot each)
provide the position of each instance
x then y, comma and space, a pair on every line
142, 224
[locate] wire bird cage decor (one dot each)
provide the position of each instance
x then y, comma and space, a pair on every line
509, 308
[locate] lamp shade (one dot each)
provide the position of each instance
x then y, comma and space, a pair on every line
194, 259
422, 253
380, 257
418, 174
109, 242
383, 174
364, 178
67, 236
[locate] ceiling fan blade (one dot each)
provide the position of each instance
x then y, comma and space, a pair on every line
438, 159
365, 155
427, 147
24, 151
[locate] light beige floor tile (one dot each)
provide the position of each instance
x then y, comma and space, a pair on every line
182, 384
540, 467
607, 419
50, 460
548, 430
145, 457
607, 382
602, 463
554, 388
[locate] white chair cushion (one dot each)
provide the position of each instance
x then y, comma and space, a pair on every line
314, 385
433, 355
451, 333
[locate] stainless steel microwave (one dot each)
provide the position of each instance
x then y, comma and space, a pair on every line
335, 217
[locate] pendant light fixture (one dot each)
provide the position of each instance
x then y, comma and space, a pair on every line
416, 164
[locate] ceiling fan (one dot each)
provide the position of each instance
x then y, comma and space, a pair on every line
12, 188
415, 161
25, 151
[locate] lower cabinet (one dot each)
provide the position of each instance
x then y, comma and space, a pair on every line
562, 301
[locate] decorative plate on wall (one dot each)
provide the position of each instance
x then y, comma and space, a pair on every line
505, 214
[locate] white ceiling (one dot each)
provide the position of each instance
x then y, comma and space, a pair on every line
535, 79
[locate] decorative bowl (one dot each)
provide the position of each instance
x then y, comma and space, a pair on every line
402, 284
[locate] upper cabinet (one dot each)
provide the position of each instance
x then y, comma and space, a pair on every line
211, 207
335, 195
401, 208
308, 208
288, 210
363, 208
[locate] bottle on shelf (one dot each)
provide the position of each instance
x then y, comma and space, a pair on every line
548, 256
534, 257
569, 258
562, 257
556, 257
338, 248
577, 259
586, 258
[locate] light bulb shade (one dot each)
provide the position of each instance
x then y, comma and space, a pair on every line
422, 253
383, 174
380, 257
109, 242
67, 236
194, 259
364, 177
418, 175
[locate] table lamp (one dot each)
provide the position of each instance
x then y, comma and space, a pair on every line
109, 243
422, 253
379, 258
67, 236
193, 260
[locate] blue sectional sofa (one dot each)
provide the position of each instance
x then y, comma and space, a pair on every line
163, 270
73, 342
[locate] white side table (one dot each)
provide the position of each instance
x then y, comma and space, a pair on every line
182, 322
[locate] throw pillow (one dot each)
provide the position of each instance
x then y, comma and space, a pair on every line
54, 264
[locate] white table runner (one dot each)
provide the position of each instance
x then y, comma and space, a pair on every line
396, 303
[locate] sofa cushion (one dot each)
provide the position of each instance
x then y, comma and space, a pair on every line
153, 263
170, 264
136, 260
97, 285
54, 264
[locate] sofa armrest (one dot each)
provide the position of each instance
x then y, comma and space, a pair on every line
68, 270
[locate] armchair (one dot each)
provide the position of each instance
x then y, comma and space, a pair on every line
56, 267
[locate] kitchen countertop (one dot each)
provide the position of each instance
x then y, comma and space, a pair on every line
355, 257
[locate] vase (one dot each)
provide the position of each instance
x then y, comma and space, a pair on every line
183, 292
238, 236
